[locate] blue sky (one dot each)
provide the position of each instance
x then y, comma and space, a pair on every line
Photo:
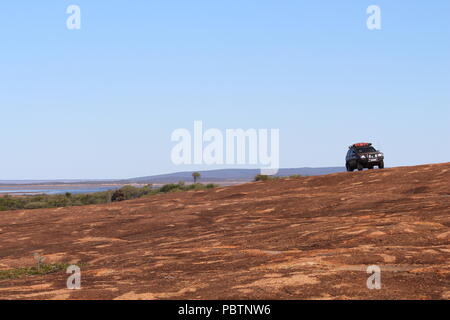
102, 102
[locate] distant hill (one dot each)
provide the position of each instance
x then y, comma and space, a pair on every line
219, 176
230, 175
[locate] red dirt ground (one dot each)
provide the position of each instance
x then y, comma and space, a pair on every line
294, 238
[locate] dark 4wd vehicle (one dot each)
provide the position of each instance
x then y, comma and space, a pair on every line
363, 155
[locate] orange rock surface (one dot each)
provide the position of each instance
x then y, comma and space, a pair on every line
293, 238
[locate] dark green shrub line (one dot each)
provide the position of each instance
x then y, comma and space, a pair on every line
70, 200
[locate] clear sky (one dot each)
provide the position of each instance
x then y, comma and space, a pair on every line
102, 102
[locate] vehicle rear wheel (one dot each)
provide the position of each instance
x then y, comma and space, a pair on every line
360, 167
381, 165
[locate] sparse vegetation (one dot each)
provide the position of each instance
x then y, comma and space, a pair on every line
261, 177
264, 177
69, 200
175, 187
118, 195
41, 269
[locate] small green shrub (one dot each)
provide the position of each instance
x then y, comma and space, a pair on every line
261, 177
118, 195
32, 271
170, 187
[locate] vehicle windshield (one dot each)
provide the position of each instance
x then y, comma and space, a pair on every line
366, 150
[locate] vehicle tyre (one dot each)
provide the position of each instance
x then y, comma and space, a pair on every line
360, 167
349, 168
381, 165
370, 167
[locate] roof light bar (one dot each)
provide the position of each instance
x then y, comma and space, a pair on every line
361, 144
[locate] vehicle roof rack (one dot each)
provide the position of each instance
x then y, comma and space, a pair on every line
361, 144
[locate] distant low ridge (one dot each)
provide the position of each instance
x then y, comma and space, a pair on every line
229, 175
219, 176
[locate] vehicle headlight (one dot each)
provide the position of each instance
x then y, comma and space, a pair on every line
363, 157
380, 155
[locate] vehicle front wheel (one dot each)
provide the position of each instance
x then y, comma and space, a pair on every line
349, 168
360, 167
381, 165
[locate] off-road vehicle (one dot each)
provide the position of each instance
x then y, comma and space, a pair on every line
363, 155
